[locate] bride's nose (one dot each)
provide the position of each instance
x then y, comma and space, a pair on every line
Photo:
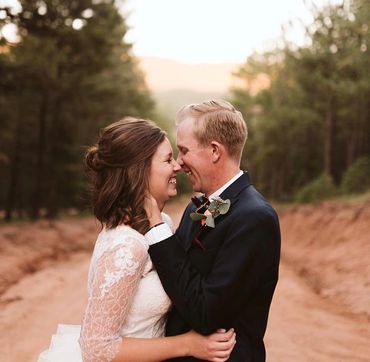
176, 166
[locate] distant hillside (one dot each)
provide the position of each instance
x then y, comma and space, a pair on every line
174, 84
169, 102
164, 74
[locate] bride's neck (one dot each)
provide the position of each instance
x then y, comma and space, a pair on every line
160, 205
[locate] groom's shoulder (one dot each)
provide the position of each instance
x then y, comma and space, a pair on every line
252, 202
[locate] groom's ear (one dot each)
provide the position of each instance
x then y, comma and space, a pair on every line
217, 151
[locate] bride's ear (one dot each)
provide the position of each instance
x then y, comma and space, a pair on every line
217, 150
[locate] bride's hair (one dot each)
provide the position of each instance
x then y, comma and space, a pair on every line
119, 166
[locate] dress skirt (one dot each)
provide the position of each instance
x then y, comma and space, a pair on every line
64, 345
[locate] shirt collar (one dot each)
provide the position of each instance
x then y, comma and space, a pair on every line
218, 192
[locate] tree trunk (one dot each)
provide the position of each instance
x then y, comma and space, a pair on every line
351, 148
51, 202
13, 189
363, 147
329, 137
41, 148
357, 145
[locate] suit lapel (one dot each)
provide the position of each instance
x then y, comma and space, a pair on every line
188, 228
189, 232
232, 193
236, 187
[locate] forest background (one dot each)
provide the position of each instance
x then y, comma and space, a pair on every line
70, 73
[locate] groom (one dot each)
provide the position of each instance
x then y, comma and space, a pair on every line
222, 273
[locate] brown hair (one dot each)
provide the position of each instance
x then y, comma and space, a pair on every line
217, 120
119, 166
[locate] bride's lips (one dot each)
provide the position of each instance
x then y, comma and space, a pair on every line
172, 180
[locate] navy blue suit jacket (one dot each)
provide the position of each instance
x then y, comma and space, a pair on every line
229, 283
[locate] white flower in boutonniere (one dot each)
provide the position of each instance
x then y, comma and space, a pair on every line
216, 208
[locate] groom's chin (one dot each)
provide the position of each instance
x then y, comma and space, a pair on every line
194, 186
196, 189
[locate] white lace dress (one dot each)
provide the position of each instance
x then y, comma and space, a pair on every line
125, 298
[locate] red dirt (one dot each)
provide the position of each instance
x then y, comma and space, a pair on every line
320, 311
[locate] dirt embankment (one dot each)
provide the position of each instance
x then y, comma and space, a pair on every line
328, 245
28, 247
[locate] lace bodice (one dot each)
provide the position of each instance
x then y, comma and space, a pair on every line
125, 296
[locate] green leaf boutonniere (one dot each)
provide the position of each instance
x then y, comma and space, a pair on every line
216, 207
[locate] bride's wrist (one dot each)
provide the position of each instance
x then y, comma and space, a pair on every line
155, 225
155, 219
186, 344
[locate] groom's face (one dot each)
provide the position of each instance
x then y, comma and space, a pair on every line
194, 159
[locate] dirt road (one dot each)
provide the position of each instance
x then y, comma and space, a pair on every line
31, 309
303, 326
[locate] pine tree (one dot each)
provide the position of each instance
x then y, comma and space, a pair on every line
70, 74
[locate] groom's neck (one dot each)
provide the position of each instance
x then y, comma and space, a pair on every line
220, 178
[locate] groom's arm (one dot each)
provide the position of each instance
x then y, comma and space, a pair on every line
249, 253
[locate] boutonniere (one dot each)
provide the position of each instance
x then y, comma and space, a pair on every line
216, 208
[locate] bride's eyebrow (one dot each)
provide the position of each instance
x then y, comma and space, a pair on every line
168, 155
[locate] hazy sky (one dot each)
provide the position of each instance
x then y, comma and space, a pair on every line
211, 30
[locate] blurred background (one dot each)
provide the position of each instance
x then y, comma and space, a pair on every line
299, 73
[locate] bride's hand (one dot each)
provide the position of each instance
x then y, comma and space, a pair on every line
216, 347
152, 210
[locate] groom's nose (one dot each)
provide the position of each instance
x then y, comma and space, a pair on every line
179, 160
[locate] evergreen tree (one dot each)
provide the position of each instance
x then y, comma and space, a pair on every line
314, 117
70, 74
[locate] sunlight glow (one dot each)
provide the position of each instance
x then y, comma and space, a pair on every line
213, 31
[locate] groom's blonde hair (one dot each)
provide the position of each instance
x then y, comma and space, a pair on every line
217, 120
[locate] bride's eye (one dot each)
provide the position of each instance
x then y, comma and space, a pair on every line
170, 160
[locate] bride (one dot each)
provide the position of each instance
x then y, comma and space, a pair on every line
124, 318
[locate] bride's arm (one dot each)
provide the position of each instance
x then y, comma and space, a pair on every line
215, 347
117, 274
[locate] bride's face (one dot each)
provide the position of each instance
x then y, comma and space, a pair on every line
162, 176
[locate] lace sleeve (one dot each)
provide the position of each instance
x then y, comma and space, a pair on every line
117, 273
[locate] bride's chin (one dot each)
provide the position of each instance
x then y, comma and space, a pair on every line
172, 194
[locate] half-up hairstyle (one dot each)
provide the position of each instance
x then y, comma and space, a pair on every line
119, 166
